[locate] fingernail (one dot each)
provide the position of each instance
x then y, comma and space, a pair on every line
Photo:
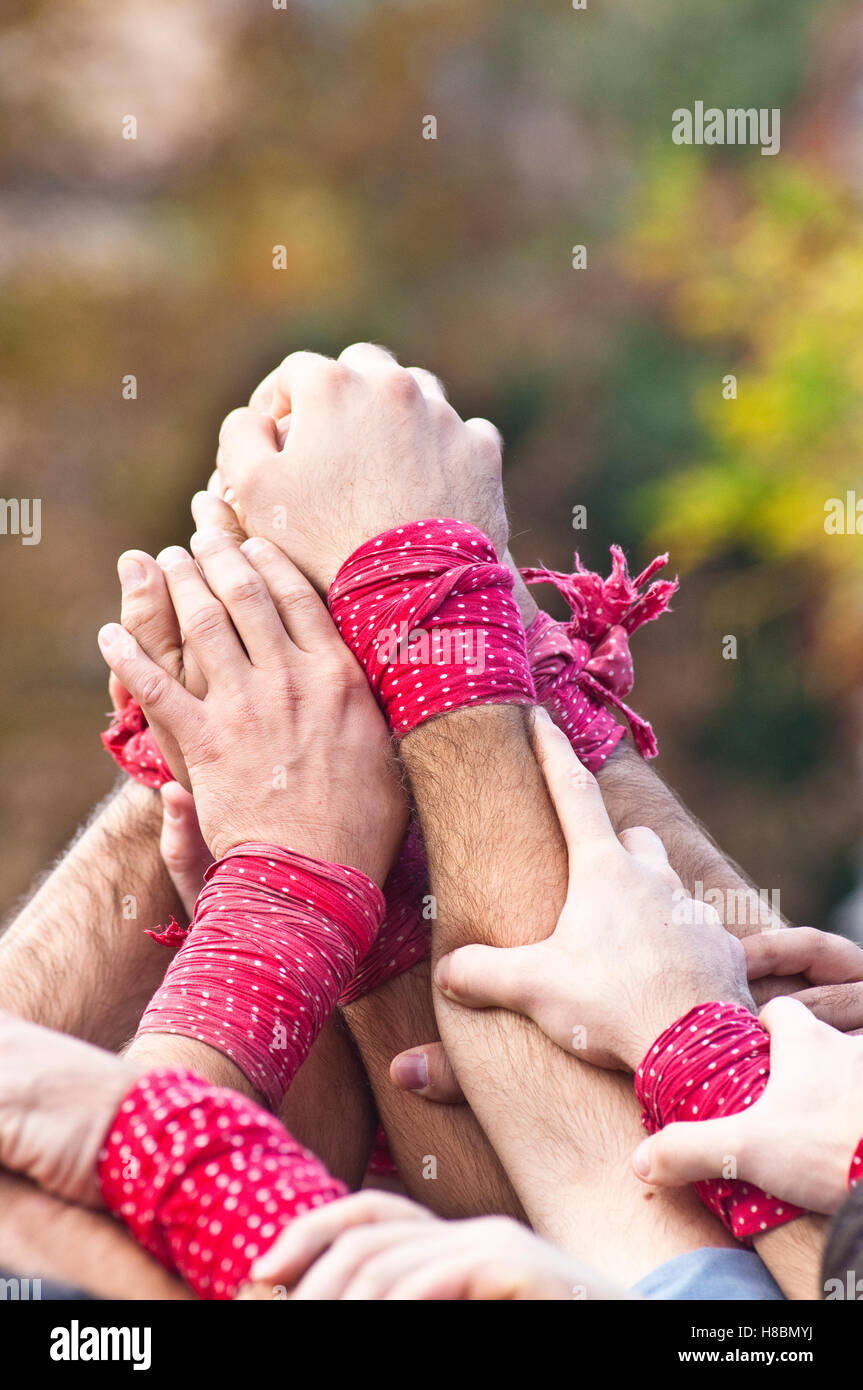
412, 1071
255, 545
131, 573
108, 635
441, 974
171, 555
641, 1159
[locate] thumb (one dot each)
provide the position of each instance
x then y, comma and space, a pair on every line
689, 1152
484, 977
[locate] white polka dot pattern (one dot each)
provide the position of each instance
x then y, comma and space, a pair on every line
582, 669
714, 1061
205, 1179
398, 601
275, 938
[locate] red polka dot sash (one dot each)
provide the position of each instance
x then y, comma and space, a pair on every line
428, 611
275, 938
583, 668
205, 1179
714, 1061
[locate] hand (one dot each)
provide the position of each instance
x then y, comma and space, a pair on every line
797, 1140
353, 447
622, 964
377, 1246
832, 965
58, 1097
287, 745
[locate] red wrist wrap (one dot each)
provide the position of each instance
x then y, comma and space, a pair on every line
579, 668
205, 1179
714, 1061
275, 938
855, 1172
583, 668
428, 612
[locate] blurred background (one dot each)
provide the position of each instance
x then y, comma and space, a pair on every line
302, 127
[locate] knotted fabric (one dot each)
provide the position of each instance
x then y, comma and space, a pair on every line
427, 609
275, 938
132, 744
205, 1179
714, 1061
582, 668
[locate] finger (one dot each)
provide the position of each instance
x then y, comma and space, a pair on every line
332, 1273
239, 586
309, 1235
118, 693
689, 1152
304, 374
427, 1072
215, 484
246, 440
574, 791
305, 616
487, 434
430, 385
839, 1005
644, 844
367, 359
162, 698
484, 977
461, 1276
823, 958
182, 846
786, 1020
264, 393
211, 512
374, 1278
146, 610
203, 621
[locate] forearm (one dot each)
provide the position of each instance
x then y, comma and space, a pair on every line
563, 1130
77, 957
793, 1254
466, 1177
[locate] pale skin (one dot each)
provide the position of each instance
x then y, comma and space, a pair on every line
690, 851
373, 1246
328, 514
279, 688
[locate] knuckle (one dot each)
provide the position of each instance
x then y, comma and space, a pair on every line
232, 420
204, 622
297, 598
335, 377
245, 591
577, 778
154, 689
401, 388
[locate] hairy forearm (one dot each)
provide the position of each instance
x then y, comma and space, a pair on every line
465, 1177
563, 1130
77, 957
635, 795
